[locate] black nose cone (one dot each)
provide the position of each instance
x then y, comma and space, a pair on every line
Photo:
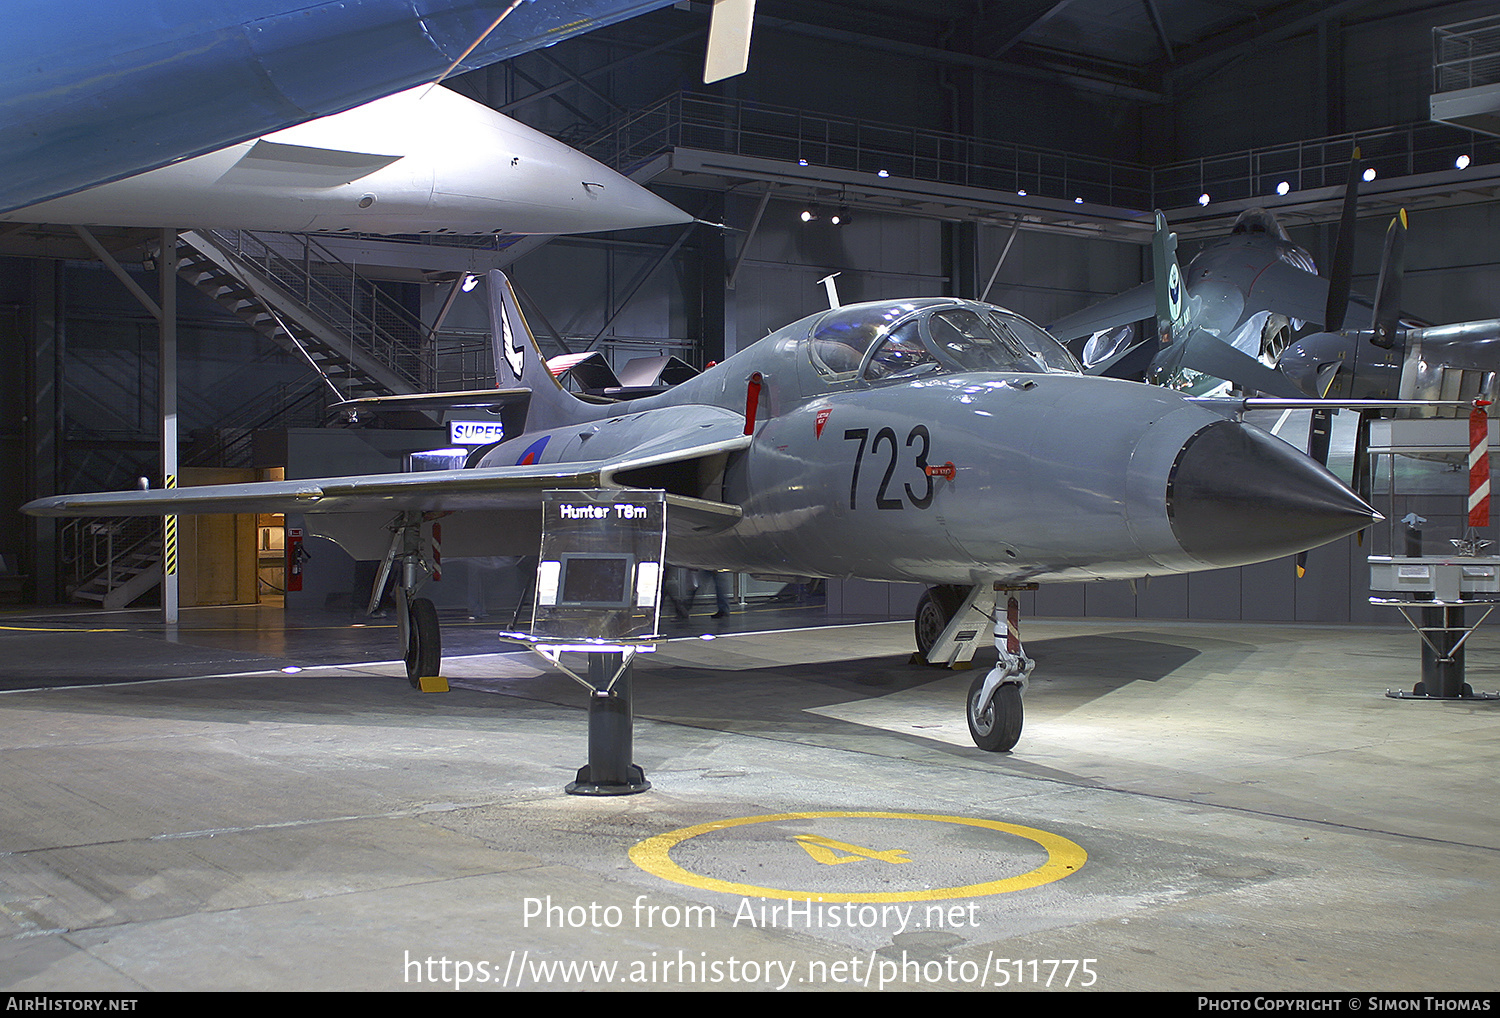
1237, 495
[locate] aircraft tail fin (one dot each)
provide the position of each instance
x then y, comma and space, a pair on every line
519, 362
1171, 302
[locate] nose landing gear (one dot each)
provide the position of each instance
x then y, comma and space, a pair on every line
948, 625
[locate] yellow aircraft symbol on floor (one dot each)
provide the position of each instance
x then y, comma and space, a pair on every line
824, 850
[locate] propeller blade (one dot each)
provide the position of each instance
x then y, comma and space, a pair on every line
1319, 434
1388, 290
1363, 477
1325, 379
1212, 356
1342, 268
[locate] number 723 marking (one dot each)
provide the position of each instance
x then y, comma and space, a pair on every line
886, 437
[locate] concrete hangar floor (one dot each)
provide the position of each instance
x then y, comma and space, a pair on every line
1192, 807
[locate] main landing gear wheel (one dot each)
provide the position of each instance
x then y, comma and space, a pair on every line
423, 648
998, 728
934, 612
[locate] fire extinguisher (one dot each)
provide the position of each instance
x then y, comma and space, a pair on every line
295, 556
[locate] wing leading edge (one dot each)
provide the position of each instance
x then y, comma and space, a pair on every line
484, 488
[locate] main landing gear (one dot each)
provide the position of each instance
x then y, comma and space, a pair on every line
413, 558
949, 623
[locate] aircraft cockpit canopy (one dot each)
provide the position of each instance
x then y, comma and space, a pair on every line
902, 340
1259, 221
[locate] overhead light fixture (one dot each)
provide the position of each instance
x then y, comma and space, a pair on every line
1077, 201
882, 173
837, 219
1203, 198
470, 281
1021, 192
808, 215
1462, 162
801, 162
1369, 174
1283, 188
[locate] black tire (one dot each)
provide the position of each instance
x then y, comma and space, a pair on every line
424, 642
934, 611
931, 620
999, 727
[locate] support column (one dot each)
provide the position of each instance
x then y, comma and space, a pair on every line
43, 427
714, 288
166, 265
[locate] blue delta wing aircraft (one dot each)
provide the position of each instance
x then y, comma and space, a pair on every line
97, 91
933, 439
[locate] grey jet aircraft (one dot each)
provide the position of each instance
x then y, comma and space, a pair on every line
935, 440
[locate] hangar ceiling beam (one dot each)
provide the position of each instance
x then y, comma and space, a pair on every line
1209, 56
1006, 68
1154, 13
995, 37
118, 271
594, 72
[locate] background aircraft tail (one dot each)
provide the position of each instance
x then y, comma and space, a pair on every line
1171, 298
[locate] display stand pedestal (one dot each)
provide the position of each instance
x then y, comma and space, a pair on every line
1433, 594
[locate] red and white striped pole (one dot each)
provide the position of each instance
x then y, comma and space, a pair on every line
1479, 465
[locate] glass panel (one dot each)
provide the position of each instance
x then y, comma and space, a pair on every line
901, 353
975, 344
842, 336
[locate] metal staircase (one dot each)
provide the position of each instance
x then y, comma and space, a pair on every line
291, 289
295, 292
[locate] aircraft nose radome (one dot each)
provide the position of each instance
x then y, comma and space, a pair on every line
1238, 496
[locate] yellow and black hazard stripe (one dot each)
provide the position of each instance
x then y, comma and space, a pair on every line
169, 537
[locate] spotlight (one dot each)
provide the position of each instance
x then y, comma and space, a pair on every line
836, 219
1283, 188
1461, 163
808, 216
1369, 174
1203, 198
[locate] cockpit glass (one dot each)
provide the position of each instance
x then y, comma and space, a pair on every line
842, 337
995, 341
907, 339
900, 353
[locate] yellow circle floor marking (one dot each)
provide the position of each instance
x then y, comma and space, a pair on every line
1063, 857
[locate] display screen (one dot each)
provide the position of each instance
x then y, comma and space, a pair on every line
597, 580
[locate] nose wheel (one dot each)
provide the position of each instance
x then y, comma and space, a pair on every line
995, 726
950, 621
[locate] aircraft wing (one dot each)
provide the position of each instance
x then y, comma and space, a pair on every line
1134, 305
1288, 290
509, 488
